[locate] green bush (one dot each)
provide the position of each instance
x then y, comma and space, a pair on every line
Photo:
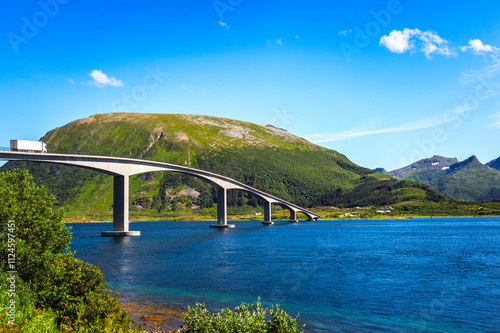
244, 319
76, 290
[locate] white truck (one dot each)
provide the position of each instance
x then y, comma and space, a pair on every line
28, 146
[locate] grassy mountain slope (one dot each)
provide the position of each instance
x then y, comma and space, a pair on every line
467, 180
265, 157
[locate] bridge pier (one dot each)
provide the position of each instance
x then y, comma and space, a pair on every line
222, 210
267, 214
120, 208
293, 216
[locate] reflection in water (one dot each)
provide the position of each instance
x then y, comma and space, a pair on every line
121, 241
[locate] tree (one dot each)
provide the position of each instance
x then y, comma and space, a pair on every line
74, 291
38, 229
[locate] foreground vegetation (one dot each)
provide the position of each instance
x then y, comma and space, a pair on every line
44, 288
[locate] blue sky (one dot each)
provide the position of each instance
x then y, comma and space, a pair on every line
384, 82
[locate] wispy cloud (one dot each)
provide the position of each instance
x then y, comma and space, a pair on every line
345, 32
101, 80
475, 75
223, 24
70, 80
496, 122
416, 40
363, 130
479, 48
486, 79
278, 41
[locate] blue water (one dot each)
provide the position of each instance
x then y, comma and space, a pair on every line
420, 275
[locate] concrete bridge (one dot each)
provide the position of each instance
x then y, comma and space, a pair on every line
122, 168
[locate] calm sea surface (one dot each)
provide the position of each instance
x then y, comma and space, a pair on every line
420, 275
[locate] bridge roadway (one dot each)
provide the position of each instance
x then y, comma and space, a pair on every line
121, 168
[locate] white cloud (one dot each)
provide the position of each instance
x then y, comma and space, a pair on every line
102, 80
432, 43
398, 41
478, 48
70, 80
297, 36
223, 24
414, 40
345, 32
431, 121
279, 41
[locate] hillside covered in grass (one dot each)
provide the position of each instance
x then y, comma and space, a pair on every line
265, 157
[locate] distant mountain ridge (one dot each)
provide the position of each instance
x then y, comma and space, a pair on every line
495, 164
467, 180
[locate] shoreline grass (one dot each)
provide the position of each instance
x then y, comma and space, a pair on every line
397, 211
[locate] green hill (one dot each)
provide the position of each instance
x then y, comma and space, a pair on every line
468, 180
265, 157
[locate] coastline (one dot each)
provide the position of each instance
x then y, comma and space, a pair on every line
283, 219
163, 317
403, 210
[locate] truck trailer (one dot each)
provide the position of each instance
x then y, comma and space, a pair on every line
28, 146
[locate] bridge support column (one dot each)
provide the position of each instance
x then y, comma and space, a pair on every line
222, 210
120, 208
267, 214
293, 216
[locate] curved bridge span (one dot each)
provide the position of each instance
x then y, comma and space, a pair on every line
121, 168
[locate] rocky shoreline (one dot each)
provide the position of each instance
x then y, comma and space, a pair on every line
155, 317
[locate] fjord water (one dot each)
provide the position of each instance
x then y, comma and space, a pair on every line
420, 275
